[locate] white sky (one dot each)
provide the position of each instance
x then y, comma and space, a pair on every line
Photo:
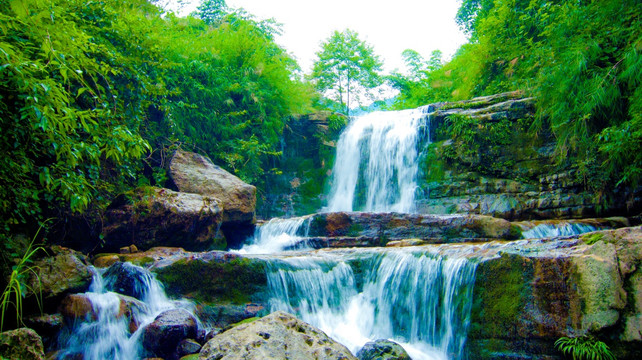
388, 26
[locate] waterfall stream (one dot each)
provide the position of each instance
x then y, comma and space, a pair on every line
105, 333
417, 299
376, 164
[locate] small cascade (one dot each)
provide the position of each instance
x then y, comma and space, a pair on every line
558, 228
376, 165
417, 299
105, 334
278, 235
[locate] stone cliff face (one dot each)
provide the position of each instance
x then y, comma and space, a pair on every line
485, 160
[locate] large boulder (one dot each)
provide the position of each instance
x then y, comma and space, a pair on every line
382, 349
170, 327
149, 217
63, 272
532, 292
276, 336
21, 344
194, 173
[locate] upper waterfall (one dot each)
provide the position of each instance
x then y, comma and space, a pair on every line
376, 164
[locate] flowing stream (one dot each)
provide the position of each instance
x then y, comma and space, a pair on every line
105, 332
418, 299
376, 164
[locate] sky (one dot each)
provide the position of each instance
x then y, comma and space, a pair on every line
389, 27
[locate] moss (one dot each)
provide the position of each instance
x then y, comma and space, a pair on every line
246, 321
234, 281
501, 291
142, 261
592, 238
515, 232
355, 230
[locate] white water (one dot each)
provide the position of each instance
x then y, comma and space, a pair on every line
557, 229
108, 336
419, 300
278, 235
376, 164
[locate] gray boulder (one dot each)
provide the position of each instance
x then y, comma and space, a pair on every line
193, 173
149, 217
276, 336
382, 349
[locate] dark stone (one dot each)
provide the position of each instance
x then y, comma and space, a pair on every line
163, 335
127, 279
382, 349
187, 347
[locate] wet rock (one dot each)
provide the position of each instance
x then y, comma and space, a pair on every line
149, 217
214, 277
77, 307
187, 347
63, 272
193, 173
127, 279
382, 349
376, 229
163, 335
22, 344
104, 261
276, 336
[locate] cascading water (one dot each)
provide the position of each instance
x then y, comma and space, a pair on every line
557, 229
418, 299
106, 335
376, 164
278, 235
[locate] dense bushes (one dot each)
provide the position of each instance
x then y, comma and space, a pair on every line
91, 91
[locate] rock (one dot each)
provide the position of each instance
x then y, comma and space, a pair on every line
376, 229
104, 261
64, 272
382, 349
187, 347
149, 217
193, 173
214, 277
276, 336
77, 307
600, 286
633, 321
127, 279
21, 344
163, 335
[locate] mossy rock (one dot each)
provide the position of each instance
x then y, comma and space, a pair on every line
238, 281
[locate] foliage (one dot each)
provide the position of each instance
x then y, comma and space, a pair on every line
346, 67
581, 60
479, 144
17, 287
94, 94
584, 348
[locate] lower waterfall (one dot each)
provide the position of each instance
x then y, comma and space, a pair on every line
418, 299
105, 333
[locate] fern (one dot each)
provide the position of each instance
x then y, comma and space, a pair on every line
584, 348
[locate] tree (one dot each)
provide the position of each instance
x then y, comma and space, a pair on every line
346, 68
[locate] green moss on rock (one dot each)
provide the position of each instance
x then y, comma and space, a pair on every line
230, 281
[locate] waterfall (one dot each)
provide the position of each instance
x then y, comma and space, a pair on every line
417, 299
376, 165
278, 235
107, 335
546, 230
